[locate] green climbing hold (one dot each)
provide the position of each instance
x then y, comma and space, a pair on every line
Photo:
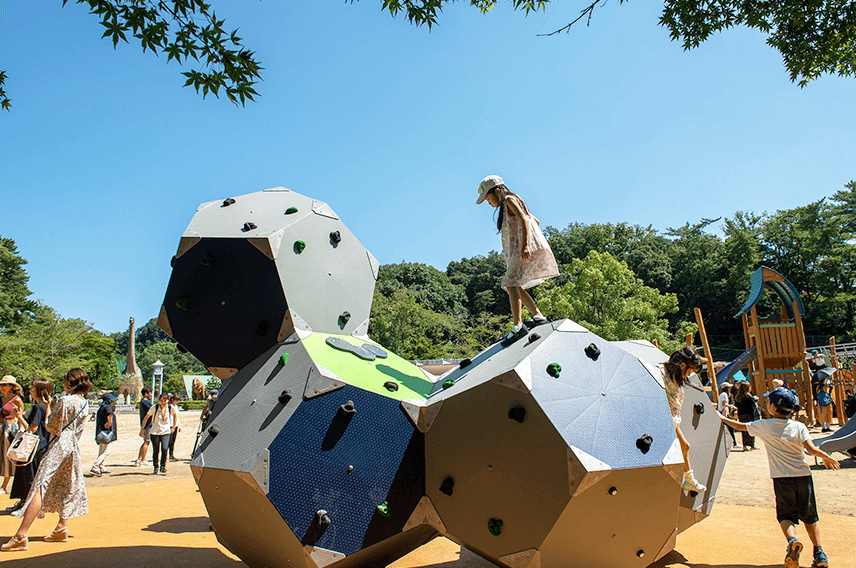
383, 509
494, 526
299, 246
283, 359
553, 369
447, 384
183, 304
291, 210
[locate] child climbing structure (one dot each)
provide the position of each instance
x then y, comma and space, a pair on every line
327, 450
779, 341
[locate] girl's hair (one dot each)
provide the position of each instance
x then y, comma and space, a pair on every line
44, 390
502, 193
685, 355
742, 391
78, 381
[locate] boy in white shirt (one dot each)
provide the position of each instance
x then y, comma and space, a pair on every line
785, 440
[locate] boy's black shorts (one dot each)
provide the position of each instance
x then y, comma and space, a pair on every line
795, 500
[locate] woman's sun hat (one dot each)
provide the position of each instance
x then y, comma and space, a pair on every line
10, 380
486, 185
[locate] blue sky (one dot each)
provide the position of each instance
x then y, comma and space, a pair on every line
105, 156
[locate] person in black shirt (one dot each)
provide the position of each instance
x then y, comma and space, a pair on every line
105, 432
145, 425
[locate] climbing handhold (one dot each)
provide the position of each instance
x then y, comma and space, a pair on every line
335, 237
375, 350
284, 397
348, 408
554, 369
494, 526
228, 202
640, 553
644, 443
465, 363
391, 386
291, 210
249, 226
299, 246
613, 491
283, 359
343, 319
213, 431
383, 509
699, 408
592, 351
172, 262
448, 383
262, 329
448, 486
207, 260
534, 337
321, 518
518, 414
183, 304
350, 468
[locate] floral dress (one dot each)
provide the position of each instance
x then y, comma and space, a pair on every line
60, 473
540, 267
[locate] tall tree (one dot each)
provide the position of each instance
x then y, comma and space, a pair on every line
14, 305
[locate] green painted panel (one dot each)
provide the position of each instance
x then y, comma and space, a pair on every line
369, 375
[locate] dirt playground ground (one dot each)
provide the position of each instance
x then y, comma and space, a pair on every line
140, 519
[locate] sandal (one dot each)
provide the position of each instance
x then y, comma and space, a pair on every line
535, 321
95, 471
18, 543
58, 535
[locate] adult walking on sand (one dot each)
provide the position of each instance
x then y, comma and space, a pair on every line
163, 416
59, 486
12, 407
40, 396
145, 425
105, 432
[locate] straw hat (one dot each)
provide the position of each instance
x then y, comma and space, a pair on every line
10, 380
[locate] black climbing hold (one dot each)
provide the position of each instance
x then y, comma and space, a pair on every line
613, 491
207, 260
172, 262
183, 304
644, 443
383, 509
391, 386
299, 246
213, 431
348, 408
284, 397
249, 226
228, 202
465, 363
592, 352
534, 337
283, 359
554, 369
448, 486
262, 329
518, 414
699, 408
640, 553
291, 210
343, 319
448, 383
335, 237
321, 518
494, 526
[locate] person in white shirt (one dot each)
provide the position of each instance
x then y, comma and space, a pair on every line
163, 417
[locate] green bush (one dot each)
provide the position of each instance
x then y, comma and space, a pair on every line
191, 404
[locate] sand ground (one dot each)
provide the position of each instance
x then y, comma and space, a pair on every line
140, 519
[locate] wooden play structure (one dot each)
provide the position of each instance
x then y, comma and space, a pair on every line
780, 341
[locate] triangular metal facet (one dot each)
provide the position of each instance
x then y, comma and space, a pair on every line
526, 559
321, 381
321, 208
569, 326
163, 321
186, 243
259, 468
425, 514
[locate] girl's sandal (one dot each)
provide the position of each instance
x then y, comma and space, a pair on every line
58, 535
18, 543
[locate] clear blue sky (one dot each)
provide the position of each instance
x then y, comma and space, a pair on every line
105, 156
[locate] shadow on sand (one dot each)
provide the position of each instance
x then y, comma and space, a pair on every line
180, 525
176, 557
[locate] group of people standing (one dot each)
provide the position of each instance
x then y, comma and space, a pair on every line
737, 401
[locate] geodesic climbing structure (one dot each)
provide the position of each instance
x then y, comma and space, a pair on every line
326, 449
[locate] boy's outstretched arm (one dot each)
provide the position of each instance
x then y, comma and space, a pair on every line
733, 423
828, 461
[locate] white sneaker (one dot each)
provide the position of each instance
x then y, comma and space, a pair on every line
690, 484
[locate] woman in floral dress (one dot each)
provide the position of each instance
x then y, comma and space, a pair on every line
59, 486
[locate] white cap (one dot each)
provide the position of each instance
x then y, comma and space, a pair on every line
486, 185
